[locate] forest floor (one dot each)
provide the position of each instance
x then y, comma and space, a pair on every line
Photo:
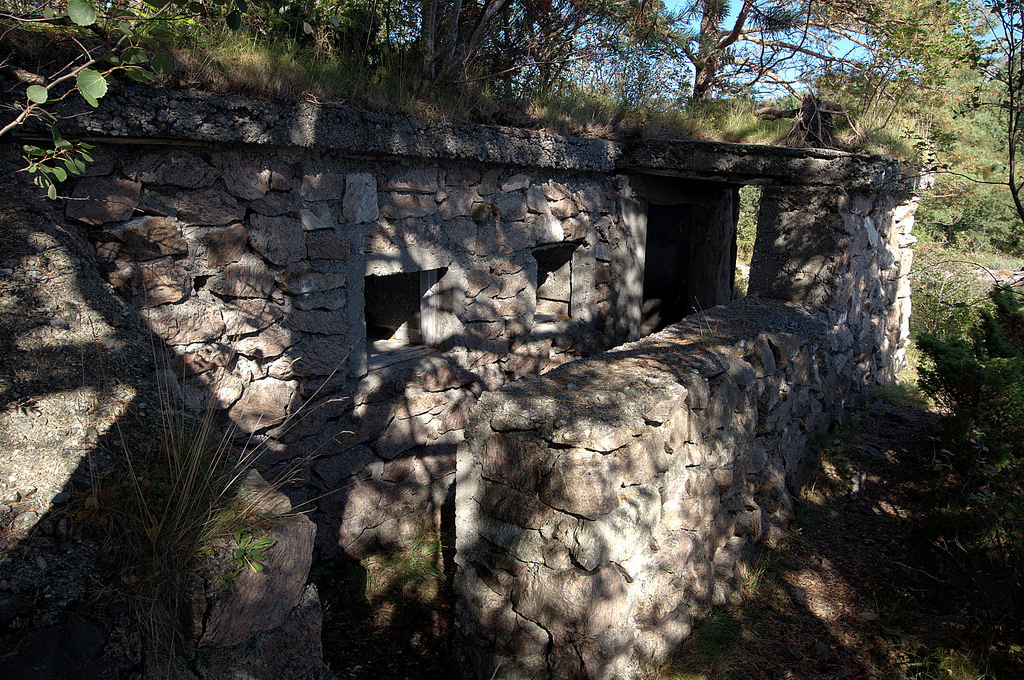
873, 581
868, 584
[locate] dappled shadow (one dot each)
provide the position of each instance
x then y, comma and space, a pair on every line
858, 588
75, 401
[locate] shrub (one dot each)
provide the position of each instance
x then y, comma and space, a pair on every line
980, 377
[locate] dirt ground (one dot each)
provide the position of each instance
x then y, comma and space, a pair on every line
862, 587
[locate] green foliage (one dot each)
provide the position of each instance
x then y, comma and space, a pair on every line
173, 505
250, 550
707, 653
980, 378
946, 291
55, 165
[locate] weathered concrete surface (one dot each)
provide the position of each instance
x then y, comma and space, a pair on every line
753, 164
142, 112
138, 112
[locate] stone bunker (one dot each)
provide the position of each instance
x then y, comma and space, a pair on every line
449, 325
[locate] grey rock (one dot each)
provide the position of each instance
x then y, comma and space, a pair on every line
262, 601
96, 200
321, 185
264, 404
176, 167
184, 324
247, 278
225, 246
279, 239
144, 238
360, 205
155, 283
245, 175
24, 521
212, 207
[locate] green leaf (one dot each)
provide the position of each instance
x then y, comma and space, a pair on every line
256, 566
114, 60
306, 28
33, 150
80, 164
37, 94
72, 166
126, 29
81, 12
234, 20
139, 74
52, 192
60, 174
162, 64
86, 157
92, 86
134, 56
48, 13
160, 32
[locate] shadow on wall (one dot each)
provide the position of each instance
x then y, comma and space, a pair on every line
604, 505
266, 334
74, 374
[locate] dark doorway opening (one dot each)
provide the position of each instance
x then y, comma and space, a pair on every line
690, 256
667, 296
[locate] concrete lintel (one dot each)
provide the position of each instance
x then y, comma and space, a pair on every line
755, 164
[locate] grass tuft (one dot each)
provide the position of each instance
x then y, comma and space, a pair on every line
174, 503
708, 653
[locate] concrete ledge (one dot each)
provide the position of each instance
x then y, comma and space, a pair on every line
145, 114
753, 164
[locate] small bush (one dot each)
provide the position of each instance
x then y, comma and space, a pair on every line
979, 377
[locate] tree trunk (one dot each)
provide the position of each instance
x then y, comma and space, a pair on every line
705, 66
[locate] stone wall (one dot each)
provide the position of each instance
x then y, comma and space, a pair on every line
604, 505
846, 252
250, 265
601, 504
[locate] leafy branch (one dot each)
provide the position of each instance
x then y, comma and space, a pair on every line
121, 32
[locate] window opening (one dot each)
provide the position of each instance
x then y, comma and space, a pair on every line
402, 314
554, 282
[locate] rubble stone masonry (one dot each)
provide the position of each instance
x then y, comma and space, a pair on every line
601, 503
